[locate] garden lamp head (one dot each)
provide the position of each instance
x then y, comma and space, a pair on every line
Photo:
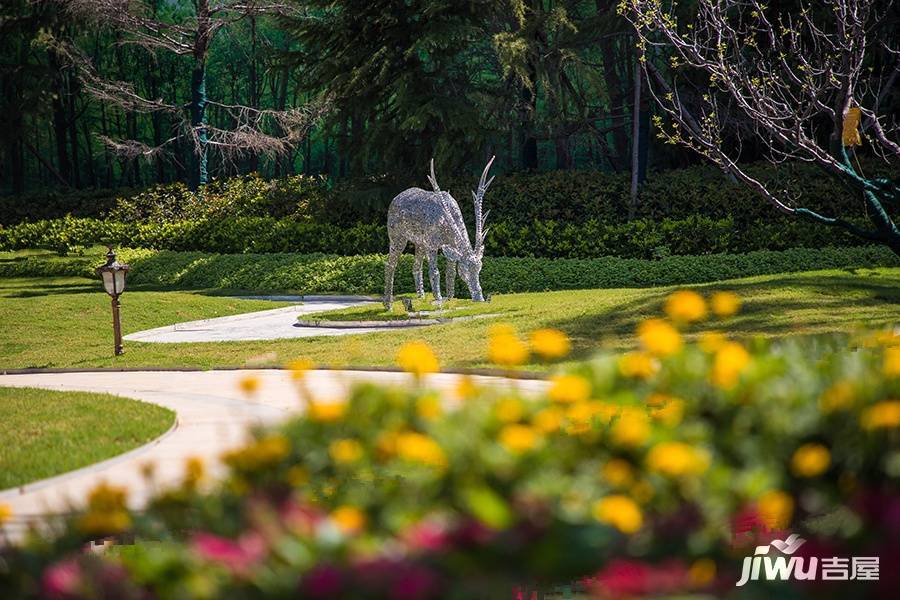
113, 274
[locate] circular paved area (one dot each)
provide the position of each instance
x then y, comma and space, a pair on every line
212, 416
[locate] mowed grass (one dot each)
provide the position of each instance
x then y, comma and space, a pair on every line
66, 322
422, 308
45, 433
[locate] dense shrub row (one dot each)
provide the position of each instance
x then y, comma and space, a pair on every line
518, 198
644, 238
320, 273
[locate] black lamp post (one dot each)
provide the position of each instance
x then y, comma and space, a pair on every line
113, 275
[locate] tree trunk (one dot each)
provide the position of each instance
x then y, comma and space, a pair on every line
72, 122
60, 129
609, 48
640, 128
254, 85
199, 175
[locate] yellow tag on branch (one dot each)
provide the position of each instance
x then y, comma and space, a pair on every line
850, 134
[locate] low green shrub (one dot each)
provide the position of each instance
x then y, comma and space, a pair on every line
643, 238
321, 273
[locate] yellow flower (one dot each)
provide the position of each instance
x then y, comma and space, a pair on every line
249, 384
550, 344
892, 361
581, 415
548, 419
810, 460
702, 572
659, 337
675, 459
617, 472
297, 476
685, 306
837, 397
509, 410
262, 453
326, 412
345, 451
417, 358
106, 512
417, 447
349, 519
883, 415
631, 429
299, 367
6, 513
638, 364
725, 304
569, 388
620, 511
730, 360
466, 388
519, 438
386, 443
429, 407
710, 341
507, 350
775, 509
666, 409
194, 471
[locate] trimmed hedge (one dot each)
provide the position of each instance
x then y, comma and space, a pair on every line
320, 273
643, 238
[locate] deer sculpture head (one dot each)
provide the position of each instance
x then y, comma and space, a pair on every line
467, 255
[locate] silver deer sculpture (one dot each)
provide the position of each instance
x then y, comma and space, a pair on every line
432, 221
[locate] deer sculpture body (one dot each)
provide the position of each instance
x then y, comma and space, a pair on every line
432, 222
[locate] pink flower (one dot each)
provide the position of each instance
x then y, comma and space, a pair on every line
300, 519
430, 536
238, 556
62, 579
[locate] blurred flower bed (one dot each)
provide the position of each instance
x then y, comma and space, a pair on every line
651, 473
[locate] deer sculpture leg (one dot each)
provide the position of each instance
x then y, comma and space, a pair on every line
389, 267
434, 275
451, 279
417, 272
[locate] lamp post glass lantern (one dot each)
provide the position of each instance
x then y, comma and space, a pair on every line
113, 275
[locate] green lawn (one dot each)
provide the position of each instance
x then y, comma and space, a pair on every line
65, 322
421, 309
44, 433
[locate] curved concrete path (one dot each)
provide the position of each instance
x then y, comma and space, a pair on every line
212, 415
274, 324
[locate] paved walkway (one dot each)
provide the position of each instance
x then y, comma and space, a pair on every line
212, 417
278, 323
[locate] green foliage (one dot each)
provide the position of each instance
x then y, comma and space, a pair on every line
247, 196
321, 273
610, 472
